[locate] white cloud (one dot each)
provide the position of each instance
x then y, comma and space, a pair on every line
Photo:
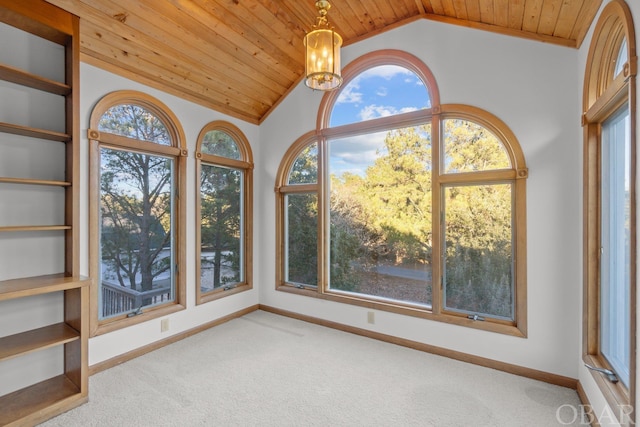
350, 94
354, 154
375, 111
382, 91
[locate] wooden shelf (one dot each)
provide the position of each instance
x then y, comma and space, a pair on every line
15, 228
29, 181
34, 404
17, 288
36, 339
15, 75
34, 132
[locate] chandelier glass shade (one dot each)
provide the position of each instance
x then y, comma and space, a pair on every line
322, 53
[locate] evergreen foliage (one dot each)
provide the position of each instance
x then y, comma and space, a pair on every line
384, 217
220, 212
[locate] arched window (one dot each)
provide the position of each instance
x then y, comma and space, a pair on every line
610, 205
224, 174
138, 160
394, 192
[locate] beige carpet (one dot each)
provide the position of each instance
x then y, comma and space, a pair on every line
267, 370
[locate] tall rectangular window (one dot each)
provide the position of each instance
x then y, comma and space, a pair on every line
478, 250
380, 235
136, 231
301, 216
222, 236
615, 277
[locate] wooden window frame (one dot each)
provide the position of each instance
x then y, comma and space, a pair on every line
244, 164
178, 152
603, 95
433, 116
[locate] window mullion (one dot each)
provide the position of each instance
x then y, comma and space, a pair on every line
436, 212
323, 216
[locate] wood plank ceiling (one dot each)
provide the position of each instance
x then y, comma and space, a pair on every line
241, 57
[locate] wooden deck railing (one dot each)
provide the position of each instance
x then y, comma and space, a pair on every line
118, 299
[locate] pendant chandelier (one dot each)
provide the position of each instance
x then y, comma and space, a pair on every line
322, 53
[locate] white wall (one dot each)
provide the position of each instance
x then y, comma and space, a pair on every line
532, 87
94, 84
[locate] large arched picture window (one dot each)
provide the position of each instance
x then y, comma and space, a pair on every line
404, 204
609, 120
224, 176
136, 213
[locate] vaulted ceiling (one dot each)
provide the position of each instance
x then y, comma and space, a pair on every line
241, 57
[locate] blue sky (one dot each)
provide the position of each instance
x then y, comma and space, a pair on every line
378, 92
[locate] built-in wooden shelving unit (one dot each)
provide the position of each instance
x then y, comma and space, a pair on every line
38, 402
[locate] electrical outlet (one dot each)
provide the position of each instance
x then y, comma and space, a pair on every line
164, 325
371, 317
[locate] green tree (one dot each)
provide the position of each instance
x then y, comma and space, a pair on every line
478, 249
305, 168
478, 220
220, 205
387, 212
469, 147
398, 194
221, 219
389, 209
302, 238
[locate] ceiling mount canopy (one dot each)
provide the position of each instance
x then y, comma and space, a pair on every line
322, 52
